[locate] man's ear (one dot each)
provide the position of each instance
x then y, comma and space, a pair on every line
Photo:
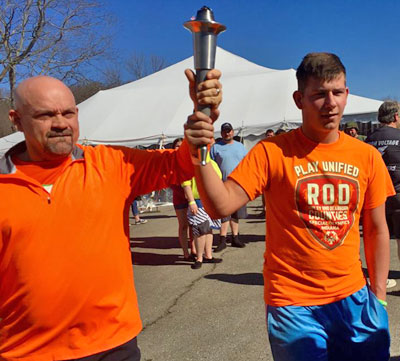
298, 99
15, 119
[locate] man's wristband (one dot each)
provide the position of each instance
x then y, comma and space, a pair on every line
382, 302
192, 202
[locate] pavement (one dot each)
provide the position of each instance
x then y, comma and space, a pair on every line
216, 312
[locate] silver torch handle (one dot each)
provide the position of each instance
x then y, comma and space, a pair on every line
205, 109
205, 30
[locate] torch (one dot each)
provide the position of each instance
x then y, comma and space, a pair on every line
205, 30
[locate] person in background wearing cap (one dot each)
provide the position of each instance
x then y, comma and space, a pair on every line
228, 153
351, 128
387, 140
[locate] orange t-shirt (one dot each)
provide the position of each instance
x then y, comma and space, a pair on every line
314, 194
44, 172
66, 279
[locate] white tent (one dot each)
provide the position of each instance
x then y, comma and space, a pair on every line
7, 142
153, 109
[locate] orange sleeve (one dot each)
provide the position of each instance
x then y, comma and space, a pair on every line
143, 171
158, 169
380, 185
252, 172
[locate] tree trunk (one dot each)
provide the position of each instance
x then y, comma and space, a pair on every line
11, 80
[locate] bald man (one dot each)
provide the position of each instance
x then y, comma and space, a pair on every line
66, 280
47, 115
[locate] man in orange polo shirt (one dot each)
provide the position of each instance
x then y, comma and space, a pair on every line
317, 181
66, 280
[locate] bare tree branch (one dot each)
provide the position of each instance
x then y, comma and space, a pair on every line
54, 37
157, 63
135, 65
138, 66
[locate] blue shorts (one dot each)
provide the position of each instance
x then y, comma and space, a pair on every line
353, 329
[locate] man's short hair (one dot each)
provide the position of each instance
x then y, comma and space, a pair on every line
324, 66
387, 111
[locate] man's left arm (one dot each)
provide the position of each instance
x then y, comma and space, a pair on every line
377, 249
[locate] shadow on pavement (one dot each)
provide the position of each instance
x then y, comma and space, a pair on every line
255, 216
154, 259
155, 216
251, 279
395, 358
154, 242
247, 238
393, 293
392, 274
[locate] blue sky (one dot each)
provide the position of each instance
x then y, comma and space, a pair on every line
275, 34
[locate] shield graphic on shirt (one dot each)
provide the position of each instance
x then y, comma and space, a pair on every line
326, 204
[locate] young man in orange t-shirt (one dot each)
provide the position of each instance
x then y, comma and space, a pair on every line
317, 182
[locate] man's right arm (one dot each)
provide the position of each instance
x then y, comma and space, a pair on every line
219, 198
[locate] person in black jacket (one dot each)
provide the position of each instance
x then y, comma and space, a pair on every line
387, 140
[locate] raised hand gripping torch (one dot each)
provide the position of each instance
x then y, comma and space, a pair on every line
205, 30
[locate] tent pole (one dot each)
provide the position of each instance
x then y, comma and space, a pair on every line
161, 143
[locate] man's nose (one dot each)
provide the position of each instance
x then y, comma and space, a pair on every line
330, 101
59, 121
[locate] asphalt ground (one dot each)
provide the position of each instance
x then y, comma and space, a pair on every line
216, 312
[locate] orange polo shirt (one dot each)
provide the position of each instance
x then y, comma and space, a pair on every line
314, 196
66, 280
